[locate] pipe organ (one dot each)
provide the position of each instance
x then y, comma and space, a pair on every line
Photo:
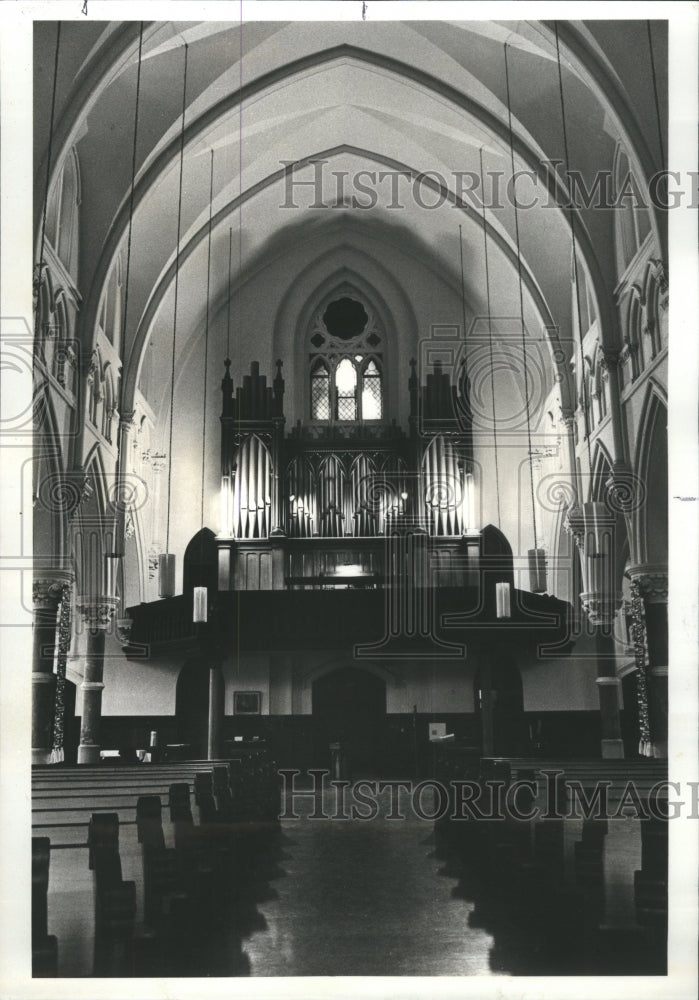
286, 496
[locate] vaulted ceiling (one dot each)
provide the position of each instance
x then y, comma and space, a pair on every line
416, 96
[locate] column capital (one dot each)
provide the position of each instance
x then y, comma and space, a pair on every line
97, 613
47, 590
601, 608
652, 581
660, 275
610, 357
574, 524
126, 419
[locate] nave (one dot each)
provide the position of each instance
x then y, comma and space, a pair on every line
212, 885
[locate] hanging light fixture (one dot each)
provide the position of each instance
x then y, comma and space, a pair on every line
200, 608
166, 560
537, 556
112, 564
503, 599
227, 506
537, 571
469, 494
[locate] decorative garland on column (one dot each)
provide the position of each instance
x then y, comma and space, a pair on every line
64, 630
638, 636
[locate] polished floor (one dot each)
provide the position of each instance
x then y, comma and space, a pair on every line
378, 897
365, 898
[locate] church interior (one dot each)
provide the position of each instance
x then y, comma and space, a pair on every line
350, 453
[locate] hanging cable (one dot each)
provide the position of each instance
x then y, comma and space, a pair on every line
490, 338
240, 251
206, 338
177, 279
467, 470
131, 202
49, 156
463, 296
200, 610
120, 463
583, 381
240, 196
521, 297
655, 95
230, 259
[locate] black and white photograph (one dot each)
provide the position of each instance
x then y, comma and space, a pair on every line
349, 563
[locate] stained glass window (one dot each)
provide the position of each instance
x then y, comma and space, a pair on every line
372, 408
320, 393
346, 388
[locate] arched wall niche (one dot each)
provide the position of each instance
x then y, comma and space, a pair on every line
91, 540
50, 502
651, 515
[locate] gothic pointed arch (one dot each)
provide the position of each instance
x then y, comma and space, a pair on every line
651, 465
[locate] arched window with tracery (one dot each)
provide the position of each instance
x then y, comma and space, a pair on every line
110, 306
62, 214
320, 391
584, 310
345, 364
631, 217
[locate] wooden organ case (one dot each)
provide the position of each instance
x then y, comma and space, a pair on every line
314, 507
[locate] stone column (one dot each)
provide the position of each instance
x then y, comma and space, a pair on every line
601, 610
216, 708
486, 707
610, 360
46, 595
568, 421
652, 584
97, 616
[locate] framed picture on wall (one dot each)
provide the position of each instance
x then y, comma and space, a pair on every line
247, 702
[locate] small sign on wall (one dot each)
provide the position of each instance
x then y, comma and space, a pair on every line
438, 730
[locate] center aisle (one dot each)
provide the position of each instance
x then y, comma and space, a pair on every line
364, 898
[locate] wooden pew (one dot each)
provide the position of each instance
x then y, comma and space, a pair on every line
114, 898
44, 945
